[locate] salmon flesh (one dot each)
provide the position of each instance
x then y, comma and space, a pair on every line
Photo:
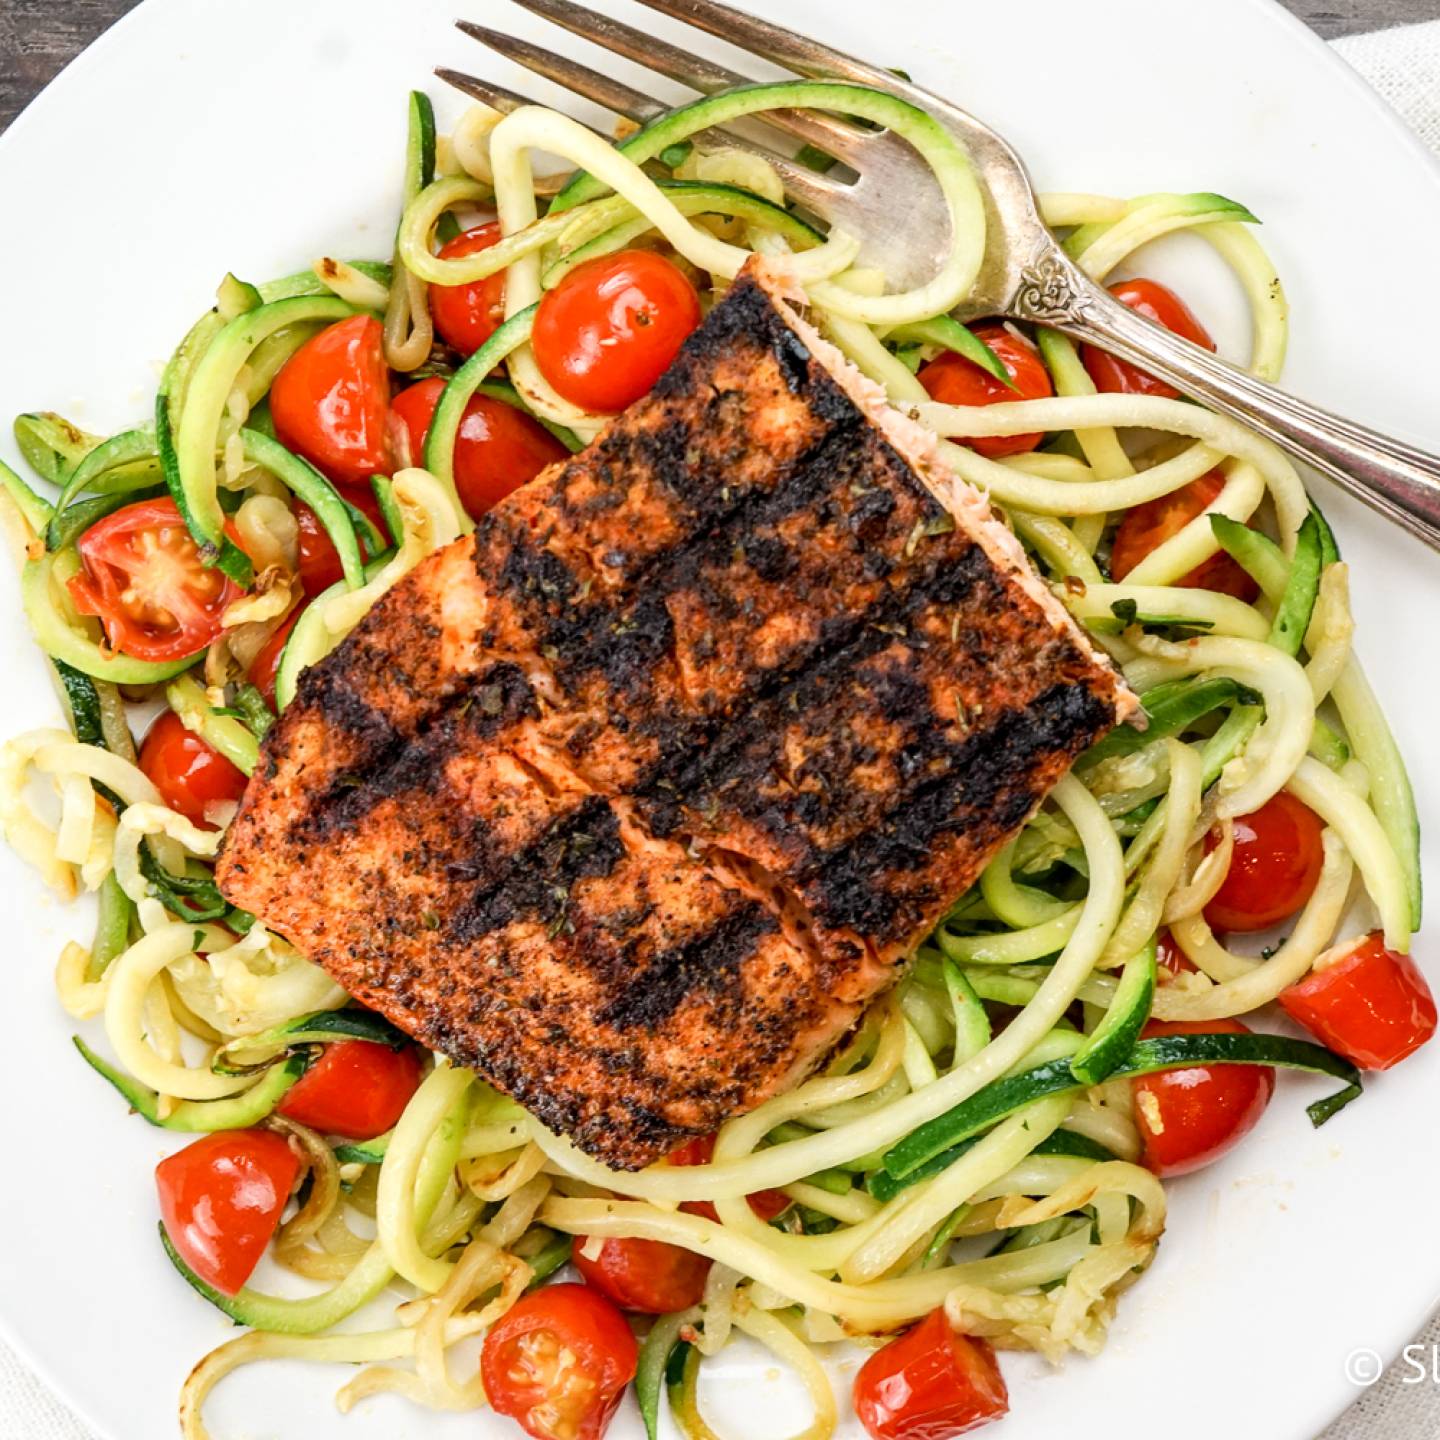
633, 800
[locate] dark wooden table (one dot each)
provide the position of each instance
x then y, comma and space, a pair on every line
37, 37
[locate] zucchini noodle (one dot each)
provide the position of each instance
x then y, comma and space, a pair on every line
1222, 434
974, 1143
1291, 962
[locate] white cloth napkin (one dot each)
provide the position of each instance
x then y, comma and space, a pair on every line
1403, 64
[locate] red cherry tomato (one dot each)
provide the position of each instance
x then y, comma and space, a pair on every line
266, 664
558, 1362
954, 380
1155, 302
1189, 1117
930, 1384
1169, 956
143, 576
187, 772
330, 401
645, 1275
1372, 1005
607, 332
320, 564
497, 450
468, 315
1273, 869
319, 560
221, 1198
1148, 526
767, 1204
357, 1088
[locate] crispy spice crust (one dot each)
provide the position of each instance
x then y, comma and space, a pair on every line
634, 801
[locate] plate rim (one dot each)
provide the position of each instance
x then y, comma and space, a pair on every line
1273, 12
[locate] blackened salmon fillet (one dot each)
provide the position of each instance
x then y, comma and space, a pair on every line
633, 800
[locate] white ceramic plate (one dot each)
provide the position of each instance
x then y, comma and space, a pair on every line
255, 135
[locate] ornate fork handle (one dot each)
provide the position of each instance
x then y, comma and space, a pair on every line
1400, 481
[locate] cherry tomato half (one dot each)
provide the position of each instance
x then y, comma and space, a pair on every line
645, 1275
357, 1088
143, 576
1155, 302
468, 315
320, 564
266, 664
558, 1362
930, 1384
1169, 956
1146, 527
1371, 1005
497, 449
330, 401
954, 380
607, 332
188, 773
221, 1198
1273, 869
1189, 1117
767, 1204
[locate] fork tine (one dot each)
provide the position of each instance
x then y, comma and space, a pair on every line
497, 97
841, 139
774, 42
808, 186
603, 89
648, 50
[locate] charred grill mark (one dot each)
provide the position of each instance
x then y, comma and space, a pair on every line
331, 690
987, 791
393, 764
722, 763
538, 882
746, 322
705, 964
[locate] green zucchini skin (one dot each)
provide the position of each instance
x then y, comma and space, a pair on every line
239, 1112
225, 554
51, 444
364, 1152
306, 483
1172, 707
445, 423
351, 1023
304, 283
82, 703
1106, 1049
72, 522
1003, 1097
36, 511
885, 1186
324, 1026
236, 297
122, 465
1302, 587
949, 333
1258, 555
419, 144
651, 1369
115, 916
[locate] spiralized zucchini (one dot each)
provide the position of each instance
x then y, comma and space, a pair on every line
1028, 1228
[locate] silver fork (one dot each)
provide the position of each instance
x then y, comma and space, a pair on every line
893, 204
